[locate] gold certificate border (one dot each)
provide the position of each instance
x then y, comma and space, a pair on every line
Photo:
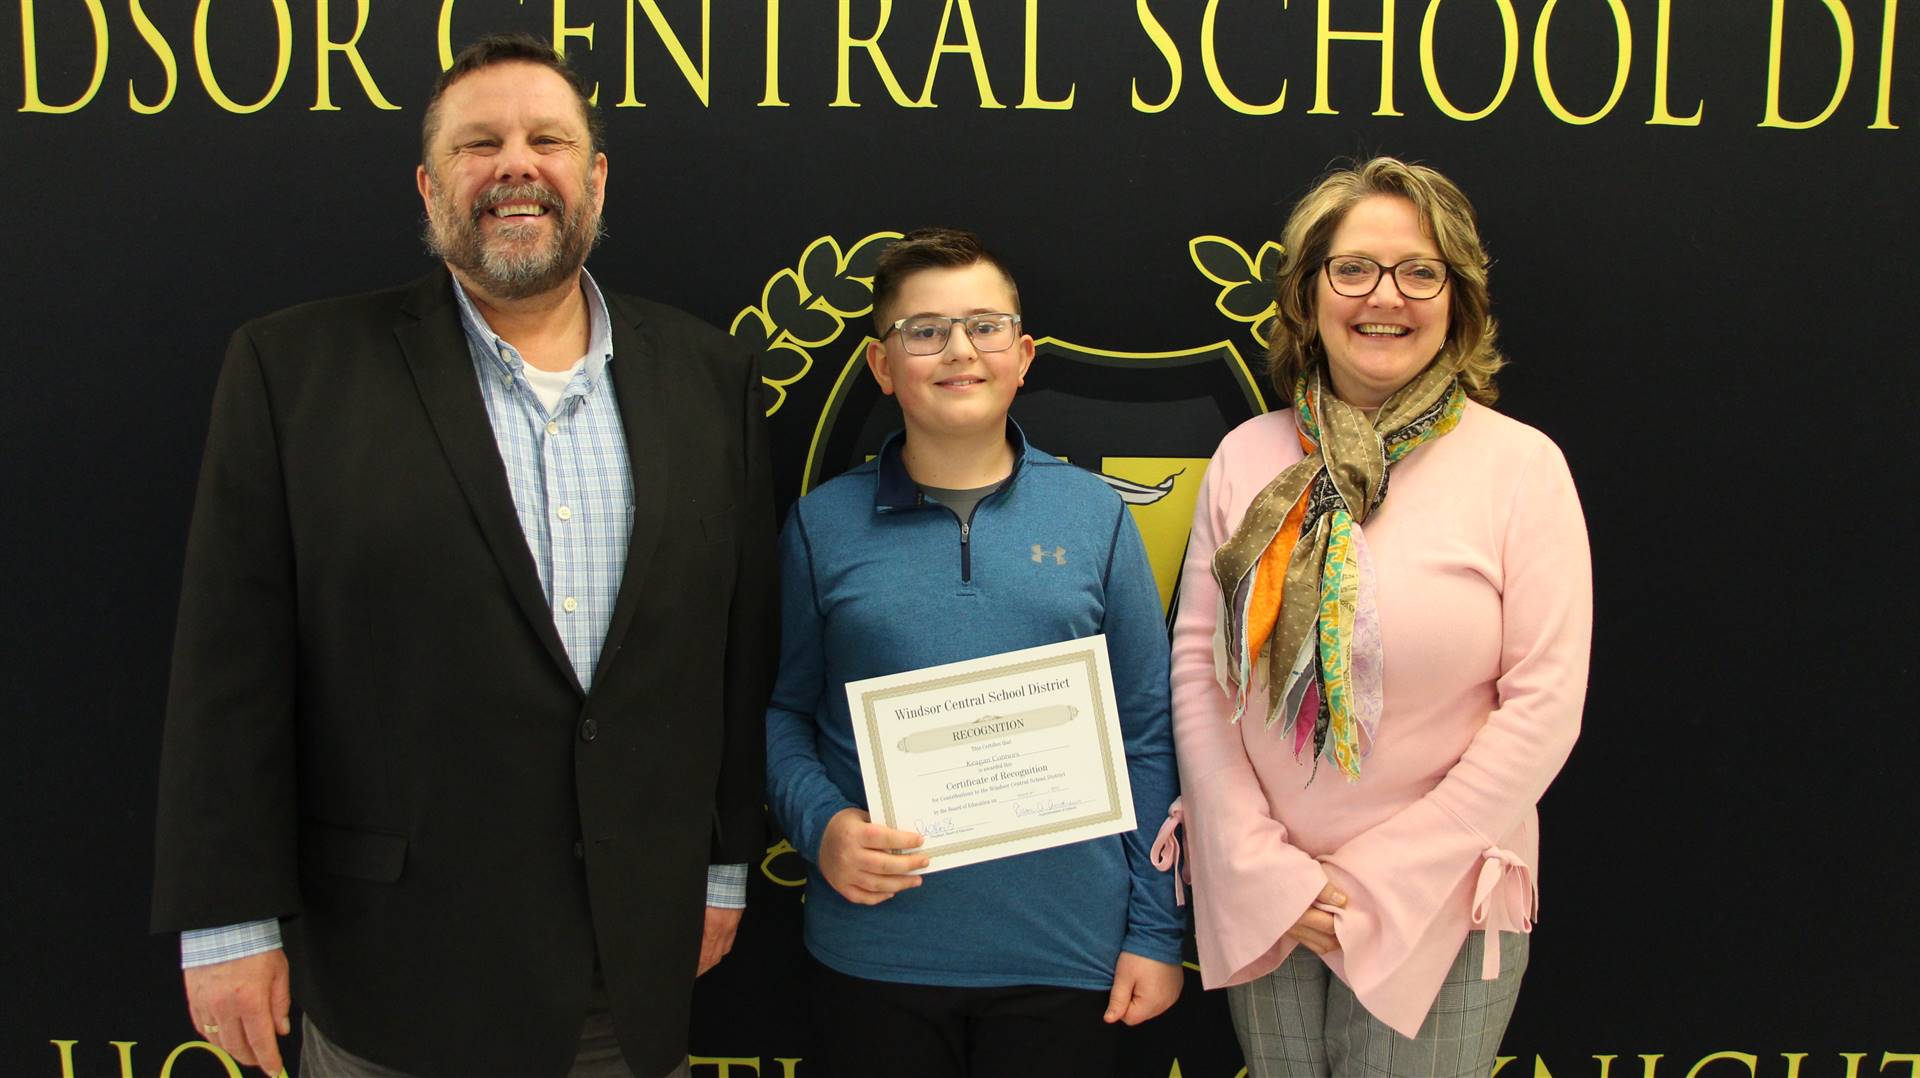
1084, 659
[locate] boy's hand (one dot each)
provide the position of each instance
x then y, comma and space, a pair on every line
857, 858
1142, 988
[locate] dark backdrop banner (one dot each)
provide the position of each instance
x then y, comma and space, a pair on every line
1703, 221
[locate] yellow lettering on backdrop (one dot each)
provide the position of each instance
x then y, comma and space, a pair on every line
1650, 1066
446, 32
1853, 1063
1509, 62
1843, 23
1164, 42
971, 49
561, 32
1883, 116
1911, 1059
843, 98
151, 35
65, 1048
203, 60
1752, 1062
1033, 100
1660, 48
723, 1066
1328, 35
771, 99
1623, 59
30, 60
323, 97
1210, 66
699, 78
166, 1068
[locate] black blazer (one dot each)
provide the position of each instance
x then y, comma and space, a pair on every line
374, 733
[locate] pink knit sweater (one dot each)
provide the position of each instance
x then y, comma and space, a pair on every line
1486, 609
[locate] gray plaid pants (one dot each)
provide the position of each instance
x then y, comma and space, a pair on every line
1300, 1021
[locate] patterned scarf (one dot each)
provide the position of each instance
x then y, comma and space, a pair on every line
1296, 584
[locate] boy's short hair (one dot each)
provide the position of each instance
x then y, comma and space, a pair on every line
924, 249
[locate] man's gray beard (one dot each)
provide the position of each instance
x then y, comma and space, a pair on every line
508, 270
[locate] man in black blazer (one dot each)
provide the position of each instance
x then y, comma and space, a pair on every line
474, 639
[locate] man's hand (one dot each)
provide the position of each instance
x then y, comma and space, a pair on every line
857, 858
1142, 988
240, 1005
1314, 929
717, 939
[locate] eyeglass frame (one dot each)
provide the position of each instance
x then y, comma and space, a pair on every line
952, 321
1326, 267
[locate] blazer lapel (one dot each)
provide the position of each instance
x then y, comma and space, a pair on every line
436, 351
643, 397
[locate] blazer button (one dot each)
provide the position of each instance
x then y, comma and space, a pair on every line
579, 850
589, 730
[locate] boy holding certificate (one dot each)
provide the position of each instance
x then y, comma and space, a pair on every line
960, 541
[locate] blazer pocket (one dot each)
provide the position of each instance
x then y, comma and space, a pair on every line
718, 527
332, 850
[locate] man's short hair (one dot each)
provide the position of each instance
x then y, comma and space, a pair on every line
520, 48
930, 248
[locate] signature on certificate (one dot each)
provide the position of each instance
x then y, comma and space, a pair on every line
935, 828
1048, 807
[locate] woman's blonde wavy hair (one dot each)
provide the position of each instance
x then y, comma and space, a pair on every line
1293, 336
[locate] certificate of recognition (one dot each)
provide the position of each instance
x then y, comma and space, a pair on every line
996, 756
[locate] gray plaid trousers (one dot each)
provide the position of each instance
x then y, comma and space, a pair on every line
1300, 1021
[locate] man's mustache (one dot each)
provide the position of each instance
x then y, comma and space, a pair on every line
502, 194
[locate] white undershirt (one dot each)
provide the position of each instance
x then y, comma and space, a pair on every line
549, 385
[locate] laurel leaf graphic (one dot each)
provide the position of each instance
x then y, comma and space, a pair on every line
820, 265
785, 364
1221, 260
1247, 301
1267, 263
807, 306
781, 299
1246, 282
811, 326
848, 296
750, 328
866, 253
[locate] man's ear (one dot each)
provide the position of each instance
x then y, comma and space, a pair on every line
424, 182
877, 363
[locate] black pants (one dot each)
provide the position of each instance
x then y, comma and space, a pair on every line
880, 1029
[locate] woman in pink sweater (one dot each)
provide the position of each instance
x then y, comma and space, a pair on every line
1371, 686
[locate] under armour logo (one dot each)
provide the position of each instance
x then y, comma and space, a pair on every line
1058, 554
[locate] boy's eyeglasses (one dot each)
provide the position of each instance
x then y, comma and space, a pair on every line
926, 334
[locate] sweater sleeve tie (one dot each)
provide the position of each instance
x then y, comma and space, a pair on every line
1496, 866
1166, 852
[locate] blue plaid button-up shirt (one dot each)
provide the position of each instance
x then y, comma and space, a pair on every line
568, 472
572, 490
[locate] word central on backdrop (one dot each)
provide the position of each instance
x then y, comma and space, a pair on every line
1365, 33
